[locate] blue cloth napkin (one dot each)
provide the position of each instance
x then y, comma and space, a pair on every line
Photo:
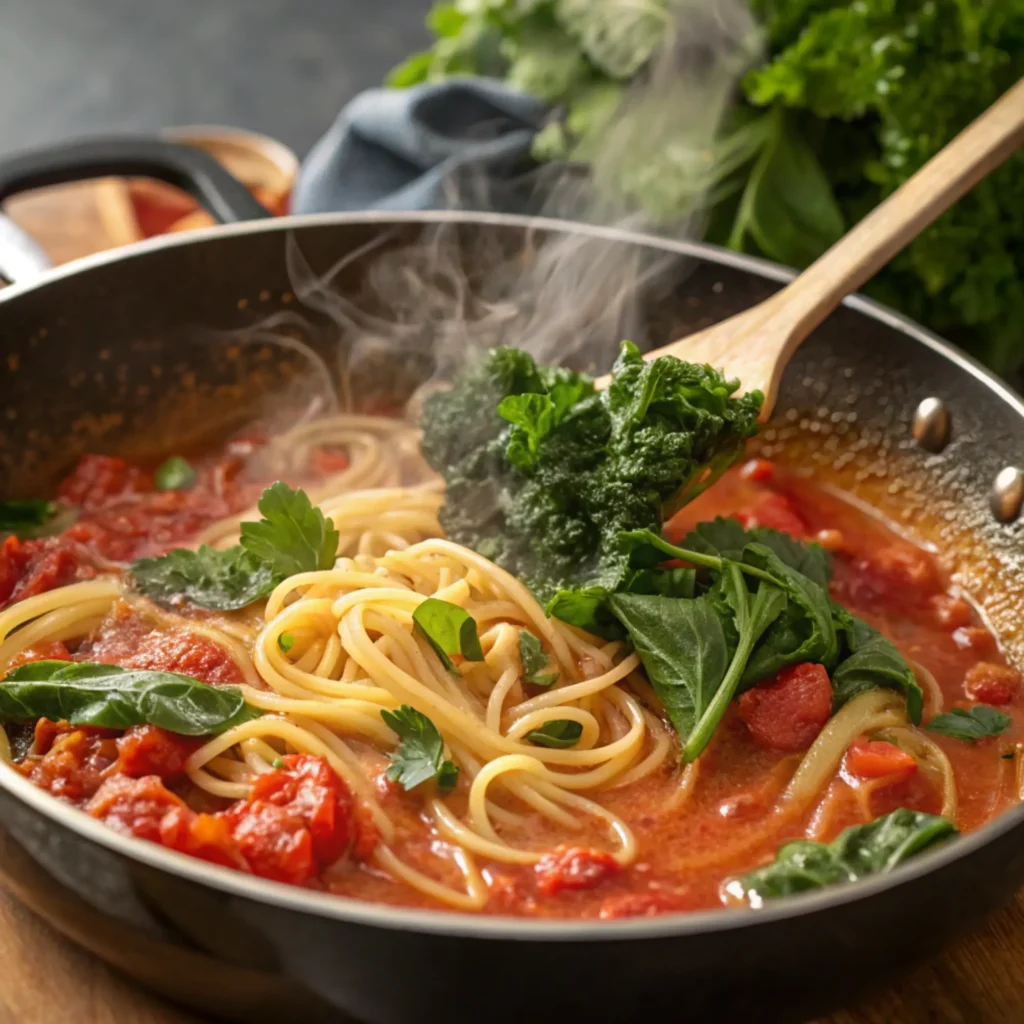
400, 149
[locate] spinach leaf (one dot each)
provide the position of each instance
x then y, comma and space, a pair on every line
970, 725
220, 580
111, 697
857, 852
292, 536
586, 608
420, 753
562, 732
534, 660
871, 660
683, 649
25, 516
449, 629
174, 474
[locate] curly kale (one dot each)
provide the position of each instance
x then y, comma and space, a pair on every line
544, 473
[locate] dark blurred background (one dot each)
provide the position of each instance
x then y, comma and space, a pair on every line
282, 67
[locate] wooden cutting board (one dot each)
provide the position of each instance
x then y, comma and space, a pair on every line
45, 979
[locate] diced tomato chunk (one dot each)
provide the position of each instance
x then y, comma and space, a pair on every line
989, 683
134, 806
903, 570
206, 836
787, 712
573, 868
649, 903
52, 651
758, 470
147, 750
275, 843
98, 478
776, 512
950, 612
70, 761
877, 759
329, 460
30, 567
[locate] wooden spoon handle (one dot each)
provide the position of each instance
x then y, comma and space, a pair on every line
859, 255
755, 345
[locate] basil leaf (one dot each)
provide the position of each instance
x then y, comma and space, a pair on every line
449, 629
220, 580
420, 753
108, 696
683, 648
534, 660
586, 608
560, 733
292, 536
175, 474
970, 725
25, 516
858, 852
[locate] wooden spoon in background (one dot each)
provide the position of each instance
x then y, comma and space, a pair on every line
755, 345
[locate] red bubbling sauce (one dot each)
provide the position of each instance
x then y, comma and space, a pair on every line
301, 825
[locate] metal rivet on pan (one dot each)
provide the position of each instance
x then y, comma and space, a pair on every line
931, 424
1007, 494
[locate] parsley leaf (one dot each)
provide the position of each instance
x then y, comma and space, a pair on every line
449, 629
420, 753
111, 697
175, 474
560, 733
292, 536
970, 725
534, 660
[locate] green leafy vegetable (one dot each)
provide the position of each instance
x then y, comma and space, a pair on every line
292, 537
286, 641
970, 725
858, 852
547, 494
420, 753
847, 103
561, 732
25, 516
175, 474
220, 580
535, 660
449, 629
111, 697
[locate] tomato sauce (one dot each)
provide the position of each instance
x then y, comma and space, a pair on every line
302, 825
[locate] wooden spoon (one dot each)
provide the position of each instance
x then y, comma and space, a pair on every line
755, 345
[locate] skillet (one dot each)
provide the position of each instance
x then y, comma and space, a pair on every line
125, 353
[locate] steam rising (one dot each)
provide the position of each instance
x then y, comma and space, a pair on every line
420, 311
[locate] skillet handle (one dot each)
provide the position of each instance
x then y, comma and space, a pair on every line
193, 170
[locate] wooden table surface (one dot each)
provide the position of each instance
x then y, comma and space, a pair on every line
45, 979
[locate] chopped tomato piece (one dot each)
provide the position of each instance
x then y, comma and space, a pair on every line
574, 867
275, 843
98, 478
329, 460
646, 904
950, 612
903, 570
776, 512
52, 651
206, 836
135, 806
70, 761
126, 640
787, 712
831, 540
32, 567
147, 750
877, 759
989, 683
758, 470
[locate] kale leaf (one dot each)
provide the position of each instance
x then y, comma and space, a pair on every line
544, 473
857, 852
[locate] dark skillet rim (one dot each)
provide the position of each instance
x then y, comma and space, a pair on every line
454, 923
